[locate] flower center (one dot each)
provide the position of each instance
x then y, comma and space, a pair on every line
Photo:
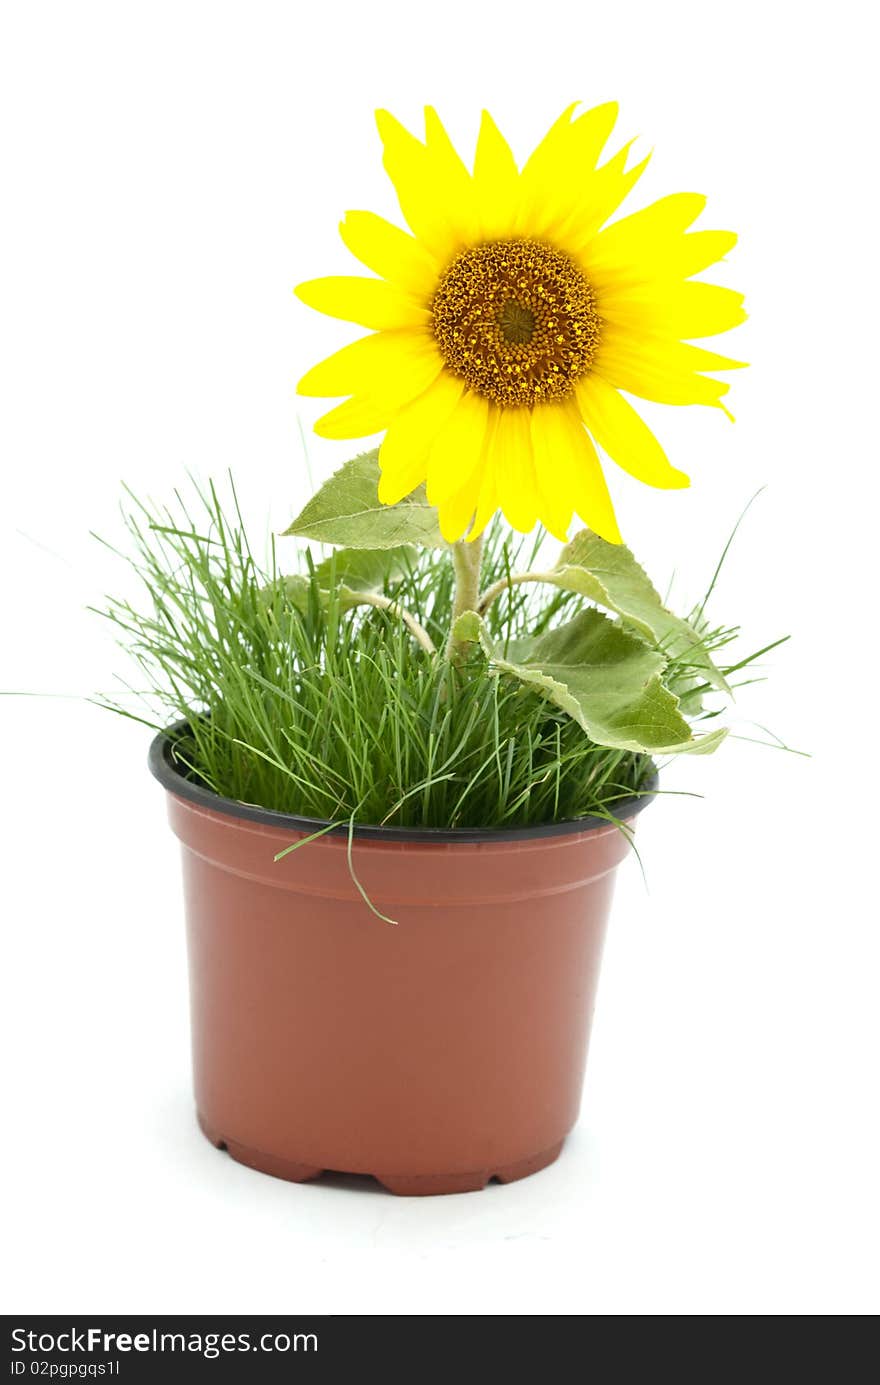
517, 321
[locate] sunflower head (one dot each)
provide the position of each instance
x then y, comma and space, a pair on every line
516, 321
509, 327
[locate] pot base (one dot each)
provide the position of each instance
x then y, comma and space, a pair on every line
402, 1184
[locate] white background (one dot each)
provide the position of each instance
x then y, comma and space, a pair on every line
169, 171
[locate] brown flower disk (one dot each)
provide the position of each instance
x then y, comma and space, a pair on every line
517, 321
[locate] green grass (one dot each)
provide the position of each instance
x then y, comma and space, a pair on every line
337, 714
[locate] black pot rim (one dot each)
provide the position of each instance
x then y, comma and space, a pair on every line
163, 767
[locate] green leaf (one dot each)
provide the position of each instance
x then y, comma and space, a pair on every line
364, 569
294, 590
607, 679
279, 598
347, 510
353, 573
608, 574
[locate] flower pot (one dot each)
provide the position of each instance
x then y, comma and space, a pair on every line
434, 1055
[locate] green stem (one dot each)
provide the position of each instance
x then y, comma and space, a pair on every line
504, 584
384, 603
466, 560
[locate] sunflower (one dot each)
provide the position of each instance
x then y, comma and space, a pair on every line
510, 326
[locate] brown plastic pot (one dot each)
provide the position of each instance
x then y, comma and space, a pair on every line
434, 1055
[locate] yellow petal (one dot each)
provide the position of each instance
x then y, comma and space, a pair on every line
513, 466
455, 513
391, 253
543, 163
659, 368
698, 358
558, 173
665, 262
688, 309
627, 439
563, 191
487, 497
556, 449
407, 165
356, 418
447, 160
566, 458
387, 366
599, 197
496, 181
456, 447
394, 485
652, 245
639, 232
698, 250
368, 302
432, 185
587, 136
404, 453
